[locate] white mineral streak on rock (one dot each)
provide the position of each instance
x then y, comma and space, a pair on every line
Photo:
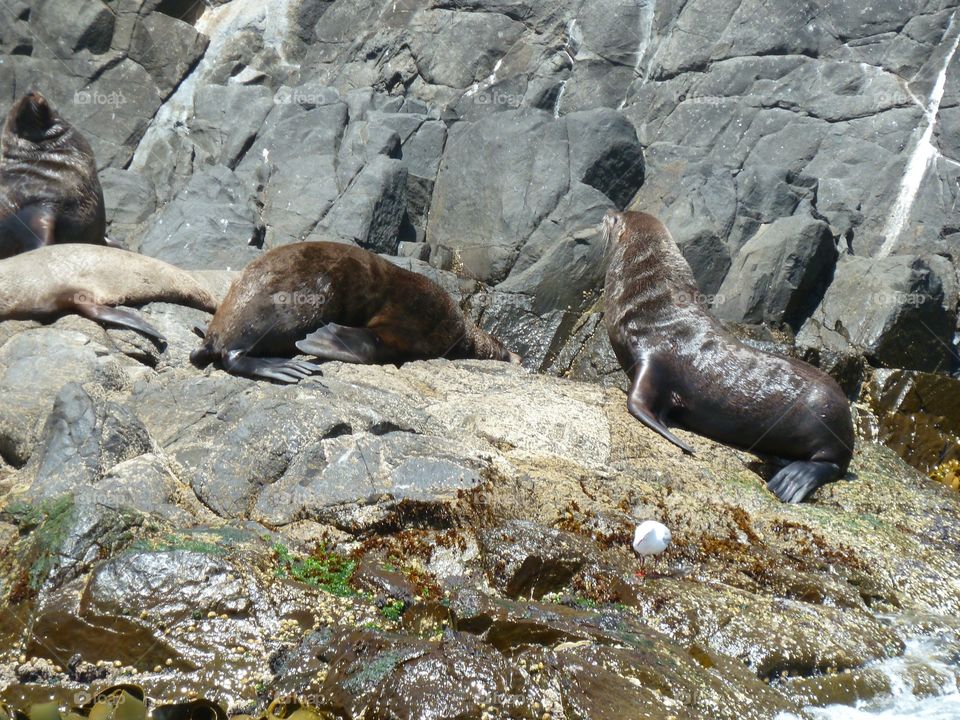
923, 152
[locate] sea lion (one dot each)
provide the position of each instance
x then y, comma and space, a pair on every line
685, 367
336, 302
49, 188
88, 279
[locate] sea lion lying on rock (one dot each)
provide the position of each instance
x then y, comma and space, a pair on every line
89, 280
336, 302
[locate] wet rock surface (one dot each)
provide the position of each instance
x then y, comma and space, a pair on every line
385, 537
451, 539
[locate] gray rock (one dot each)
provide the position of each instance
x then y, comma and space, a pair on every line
422, 150
163, 583
226, 120
296, 193
307, 119
588, 356
362, 142
535, 334
146, 484
562, 264
370, 481
83, 439
697, 202
496, 185
88, 28
456, 49
210, 224
900, 311
167, 48
523, 559
29, 387
780, 274
371, 209
130, 198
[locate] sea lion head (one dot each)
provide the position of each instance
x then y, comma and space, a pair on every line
612, 227
33, 118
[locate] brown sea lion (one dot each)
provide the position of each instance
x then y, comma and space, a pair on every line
49, 188
88, 280
687, 369
336, 302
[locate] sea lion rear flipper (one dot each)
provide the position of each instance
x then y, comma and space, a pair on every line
118, 316
798, 480
347, 344
280, 369
640, 402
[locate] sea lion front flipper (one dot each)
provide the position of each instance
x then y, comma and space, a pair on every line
640, 402
34, 226
280, 369
118, 316
798, 480
346, 344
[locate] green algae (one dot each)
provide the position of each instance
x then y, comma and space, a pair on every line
323, 569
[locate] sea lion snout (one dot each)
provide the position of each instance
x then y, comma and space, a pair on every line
514, 358
611, 225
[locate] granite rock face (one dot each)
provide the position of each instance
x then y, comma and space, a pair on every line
489, 137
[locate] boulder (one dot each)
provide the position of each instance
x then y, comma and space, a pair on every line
780, 274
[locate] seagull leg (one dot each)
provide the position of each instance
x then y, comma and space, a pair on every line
641, 573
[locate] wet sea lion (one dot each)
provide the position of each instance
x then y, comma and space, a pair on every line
88, 280
686, 368
49, 188
336, 302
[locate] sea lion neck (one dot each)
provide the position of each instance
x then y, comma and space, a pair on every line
653, 274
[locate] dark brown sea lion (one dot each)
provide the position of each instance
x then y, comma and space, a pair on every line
686, 368
336, 302
88, 280
49, 188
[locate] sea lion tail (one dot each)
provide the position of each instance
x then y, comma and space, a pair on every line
481, 345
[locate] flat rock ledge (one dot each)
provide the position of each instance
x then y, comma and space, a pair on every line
444, 539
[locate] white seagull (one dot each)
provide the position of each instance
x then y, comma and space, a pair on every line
650, 538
